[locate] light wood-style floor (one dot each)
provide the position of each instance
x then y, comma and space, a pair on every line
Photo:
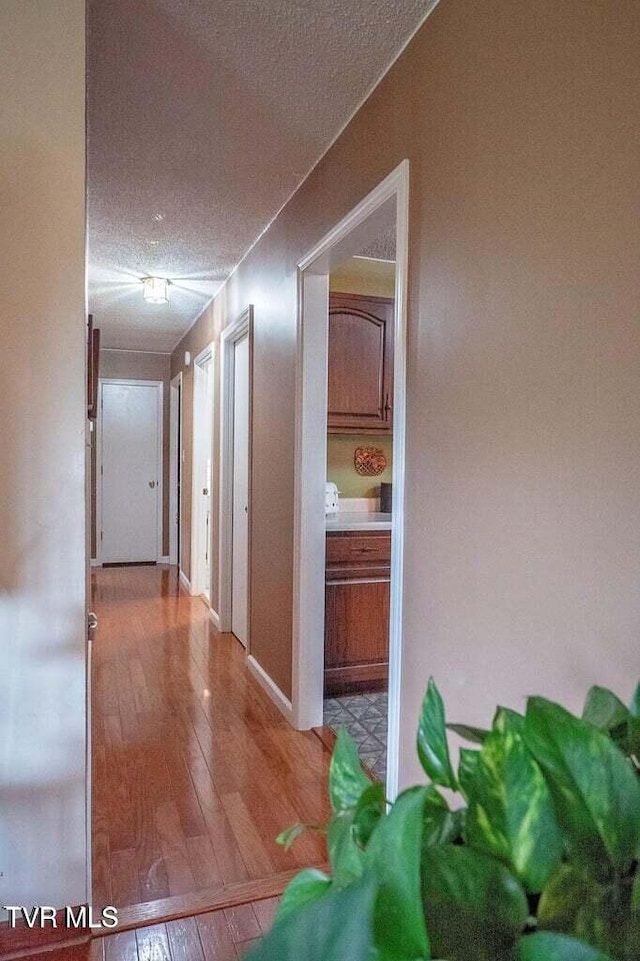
195, 772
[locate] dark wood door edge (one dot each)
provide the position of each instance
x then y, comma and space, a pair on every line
200, 902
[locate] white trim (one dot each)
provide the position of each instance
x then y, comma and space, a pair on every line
184, 580
197, 585
131, 382
95, 562
175, 432
310, 457
269, 685
164, 559
230, 336
215, 620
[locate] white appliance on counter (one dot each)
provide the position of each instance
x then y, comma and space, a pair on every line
330, 498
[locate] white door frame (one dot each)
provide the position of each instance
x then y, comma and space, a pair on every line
175, 456
198, 454
129, 382
352, 233
241, 327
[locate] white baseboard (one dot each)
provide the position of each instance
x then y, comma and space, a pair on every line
184, 580
164, 559
267, 684
215, 620
95, 562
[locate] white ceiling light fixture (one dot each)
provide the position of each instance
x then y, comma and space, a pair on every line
156, 290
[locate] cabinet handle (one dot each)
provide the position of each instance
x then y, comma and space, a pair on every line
387, 406
367, 550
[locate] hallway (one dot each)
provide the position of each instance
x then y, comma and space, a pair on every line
195, 771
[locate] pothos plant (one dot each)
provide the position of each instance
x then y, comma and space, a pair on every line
534, 857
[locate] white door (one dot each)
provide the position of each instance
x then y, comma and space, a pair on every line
205, 477
240, 549
130, 427
203, 428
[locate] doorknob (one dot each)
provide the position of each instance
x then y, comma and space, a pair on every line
152, 484
92, 621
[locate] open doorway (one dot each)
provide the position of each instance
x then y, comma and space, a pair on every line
202, 473
319, 597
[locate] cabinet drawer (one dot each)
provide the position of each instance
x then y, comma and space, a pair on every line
365, 548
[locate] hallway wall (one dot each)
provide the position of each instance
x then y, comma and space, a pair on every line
43, 843
523, 455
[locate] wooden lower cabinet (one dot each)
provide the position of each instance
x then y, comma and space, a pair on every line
357, 612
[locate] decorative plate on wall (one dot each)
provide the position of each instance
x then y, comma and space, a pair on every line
369, 461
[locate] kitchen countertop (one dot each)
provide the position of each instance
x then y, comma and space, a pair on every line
358, 521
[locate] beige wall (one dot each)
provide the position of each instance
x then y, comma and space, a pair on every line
42, 468
340, 466
138, 365
523, 447
359, 276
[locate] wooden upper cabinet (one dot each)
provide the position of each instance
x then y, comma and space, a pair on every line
360, 364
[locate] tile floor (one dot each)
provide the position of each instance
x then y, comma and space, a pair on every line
365, 718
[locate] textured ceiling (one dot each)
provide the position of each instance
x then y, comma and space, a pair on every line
203, 118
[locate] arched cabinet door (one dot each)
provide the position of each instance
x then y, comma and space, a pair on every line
360, 364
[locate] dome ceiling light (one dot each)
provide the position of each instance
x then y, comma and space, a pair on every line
156, 290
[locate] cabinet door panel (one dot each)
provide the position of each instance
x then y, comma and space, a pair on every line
360, 362
357, 627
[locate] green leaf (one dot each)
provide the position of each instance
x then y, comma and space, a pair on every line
575, 903
467, 764
347, 780
439, 824
510, 813
345, 854
546, 946
507, 720
604, 710
476, 735
433, 749
394, 858
335, 927
634, 707
305, 888
287, 837
369, 810
595, 792
475, 908
633, 940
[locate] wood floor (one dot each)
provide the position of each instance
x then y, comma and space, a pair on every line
195, 771
217, 936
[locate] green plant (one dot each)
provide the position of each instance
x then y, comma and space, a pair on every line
537, 862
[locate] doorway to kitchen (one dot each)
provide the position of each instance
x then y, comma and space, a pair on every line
335, 571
